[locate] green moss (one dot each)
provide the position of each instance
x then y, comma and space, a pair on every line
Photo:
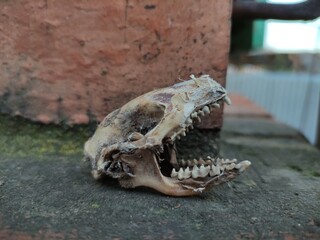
296, 168
315, 174
23, 138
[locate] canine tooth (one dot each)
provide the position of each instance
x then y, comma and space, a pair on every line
201, 113
194, 115
180, 174
187, 173
195, 172
215, 170
174, 173
230, 166
216, 105
206, 109
243, 165
227, 100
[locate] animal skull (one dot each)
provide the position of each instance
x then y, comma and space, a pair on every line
135, 143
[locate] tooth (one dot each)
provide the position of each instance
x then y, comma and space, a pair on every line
215, 170
208, 162
206, 109
204, 171
194, 115
183, 163
227, 100
201, 161
180, 174
195, 162
191, 127
207, 169
216, 105
230, 166
199, 119
189, 163
183, 133
187, 173
201, 113
231, 161
195, 172
178, 137
243, 165
174, 173
189, 121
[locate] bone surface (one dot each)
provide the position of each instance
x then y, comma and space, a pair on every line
136, 143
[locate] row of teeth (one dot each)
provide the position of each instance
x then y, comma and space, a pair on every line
196, 116
209, 170
209, 161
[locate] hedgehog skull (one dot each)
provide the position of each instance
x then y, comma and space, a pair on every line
135, 143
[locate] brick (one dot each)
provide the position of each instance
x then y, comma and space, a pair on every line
76, 61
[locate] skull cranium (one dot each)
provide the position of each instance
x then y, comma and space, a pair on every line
135, 143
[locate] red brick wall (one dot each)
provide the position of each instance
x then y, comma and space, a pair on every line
77, 60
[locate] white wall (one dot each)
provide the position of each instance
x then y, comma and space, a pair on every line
292, 36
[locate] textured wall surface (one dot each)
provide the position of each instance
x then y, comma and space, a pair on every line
76, 60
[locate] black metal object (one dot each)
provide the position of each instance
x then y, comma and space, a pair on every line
249, 10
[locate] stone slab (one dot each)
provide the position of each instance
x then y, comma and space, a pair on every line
46, 192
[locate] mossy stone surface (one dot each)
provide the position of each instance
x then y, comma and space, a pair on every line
47, 192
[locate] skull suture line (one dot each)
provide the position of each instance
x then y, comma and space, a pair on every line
135, 143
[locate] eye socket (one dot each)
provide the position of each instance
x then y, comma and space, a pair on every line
146, 117
144, 129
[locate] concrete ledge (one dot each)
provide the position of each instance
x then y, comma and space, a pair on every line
46, 192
